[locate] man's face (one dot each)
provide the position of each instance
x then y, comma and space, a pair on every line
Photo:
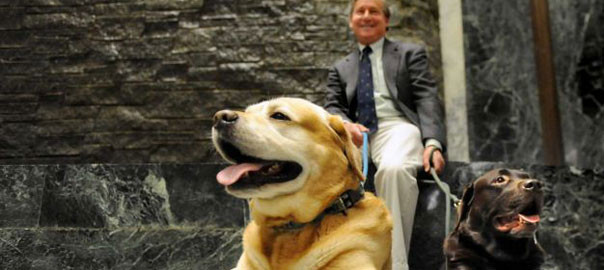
368, 21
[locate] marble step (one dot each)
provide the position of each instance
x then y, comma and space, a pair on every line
120, 216
124, 248
102, 216
110, 196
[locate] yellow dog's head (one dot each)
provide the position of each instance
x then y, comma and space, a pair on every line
285, 152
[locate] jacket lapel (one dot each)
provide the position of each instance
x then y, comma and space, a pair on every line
353, 74
390, 60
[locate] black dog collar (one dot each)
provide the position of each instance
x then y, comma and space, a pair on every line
346, 200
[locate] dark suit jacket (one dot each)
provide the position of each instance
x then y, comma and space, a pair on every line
409, 82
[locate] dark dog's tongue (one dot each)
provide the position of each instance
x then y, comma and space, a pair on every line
530, 219
231, 174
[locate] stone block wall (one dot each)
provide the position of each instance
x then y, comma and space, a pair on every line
138, 81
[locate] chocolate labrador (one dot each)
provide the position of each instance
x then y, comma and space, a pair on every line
496, 224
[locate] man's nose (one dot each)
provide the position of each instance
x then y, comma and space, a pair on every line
366, 14
225, 118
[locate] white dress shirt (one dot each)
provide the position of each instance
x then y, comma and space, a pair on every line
384, 105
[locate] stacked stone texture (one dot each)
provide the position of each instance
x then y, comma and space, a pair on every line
138, 81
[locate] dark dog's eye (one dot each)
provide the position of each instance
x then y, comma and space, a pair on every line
499, 180
280, 116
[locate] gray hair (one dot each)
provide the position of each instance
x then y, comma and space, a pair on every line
385, 9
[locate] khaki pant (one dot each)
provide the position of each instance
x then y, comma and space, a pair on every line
396, 150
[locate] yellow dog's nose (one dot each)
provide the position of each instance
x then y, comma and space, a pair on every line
225, 117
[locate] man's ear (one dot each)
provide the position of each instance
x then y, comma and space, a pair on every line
345, 140
465, 204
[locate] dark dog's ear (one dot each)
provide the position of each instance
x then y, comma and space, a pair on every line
345, 140
465, 204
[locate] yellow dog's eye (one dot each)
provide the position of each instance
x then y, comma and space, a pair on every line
280, 116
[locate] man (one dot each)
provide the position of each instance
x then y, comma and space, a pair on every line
387, 88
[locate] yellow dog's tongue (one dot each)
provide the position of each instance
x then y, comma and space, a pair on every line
530, 219
231, 174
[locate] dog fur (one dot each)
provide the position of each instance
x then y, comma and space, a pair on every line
323, 163
496, 224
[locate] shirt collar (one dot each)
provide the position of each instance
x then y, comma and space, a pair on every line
376, 47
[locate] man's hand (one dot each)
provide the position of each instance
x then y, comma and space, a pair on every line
437, 160
356, 131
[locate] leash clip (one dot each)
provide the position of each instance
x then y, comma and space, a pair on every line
341, 205
456, 204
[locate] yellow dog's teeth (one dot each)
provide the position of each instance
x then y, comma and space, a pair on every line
274, 169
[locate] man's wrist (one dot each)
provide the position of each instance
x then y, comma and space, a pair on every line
435, 143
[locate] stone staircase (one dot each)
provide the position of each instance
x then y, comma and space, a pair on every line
117, 217
175, 216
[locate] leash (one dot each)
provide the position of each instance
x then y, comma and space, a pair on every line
444, 187
365, 155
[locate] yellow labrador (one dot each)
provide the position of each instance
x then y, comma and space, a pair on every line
301, 172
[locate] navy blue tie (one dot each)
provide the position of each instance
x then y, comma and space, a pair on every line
366, 104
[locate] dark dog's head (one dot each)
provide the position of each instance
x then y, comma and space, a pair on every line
503, 202
496, 223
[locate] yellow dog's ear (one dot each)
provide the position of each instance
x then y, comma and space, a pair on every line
350, 150
464, 205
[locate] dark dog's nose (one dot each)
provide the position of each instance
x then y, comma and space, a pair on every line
225, 117
531, 185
